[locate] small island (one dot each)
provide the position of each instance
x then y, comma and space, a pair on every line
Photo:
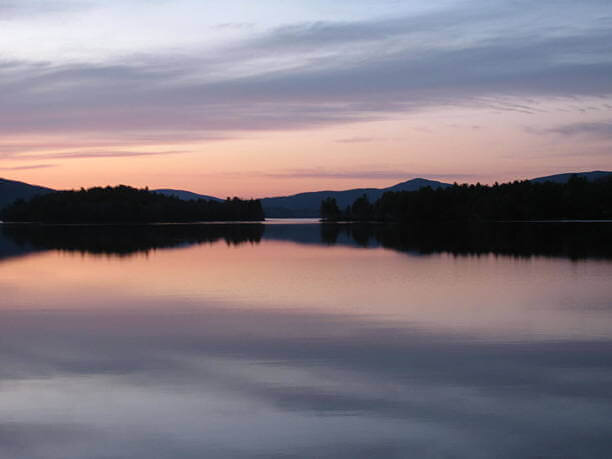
124, 204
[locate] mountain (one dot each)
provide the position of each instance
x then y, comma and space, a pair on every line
185, 195
563, 178
308, 204
10, 191
298, 205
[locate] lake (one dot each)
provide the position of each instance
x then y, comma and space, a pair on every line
295, 339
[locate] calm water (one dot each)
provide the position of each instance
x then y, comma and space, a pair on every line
278, 341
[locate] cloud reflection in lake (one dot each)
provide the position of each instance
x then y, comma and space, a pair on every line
289, 347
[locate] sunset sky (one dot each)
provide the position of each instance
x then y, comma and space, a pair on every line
273, 97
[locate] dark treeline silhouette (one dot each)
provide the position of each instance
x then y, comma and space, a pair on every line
525, 200
124, 240
127, 205
567, 240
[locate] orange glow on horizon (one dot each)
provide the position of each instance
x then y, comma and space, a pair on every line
456, 145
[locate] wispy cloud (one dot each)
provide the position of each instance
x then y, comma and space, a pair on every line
235, 25
99, 154
14, 8
309, 75
86, 142
357, 140
601, 130
34, 166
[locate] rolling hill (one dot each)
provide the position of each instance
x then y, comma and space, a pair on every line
563, 178
11, 190
297, 205
185, 195
308, 204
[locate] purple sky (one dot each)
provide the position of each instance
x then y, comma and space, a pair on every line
275, 97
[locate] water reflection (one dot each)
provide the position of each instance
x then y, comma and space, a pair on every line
121, 240
284, 342
571, 240
243, 384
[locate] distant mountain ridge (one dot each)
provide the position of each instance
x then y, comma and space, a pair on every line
185, 195
11, 190
563, 178
308, 204
297, 205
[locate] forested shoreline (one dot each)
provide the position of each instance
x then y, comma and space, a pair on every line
124, 204
519, 200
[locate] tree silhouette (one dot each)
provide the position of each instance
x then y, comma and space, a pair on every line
123, 204
518, 200
361, 208
330, 210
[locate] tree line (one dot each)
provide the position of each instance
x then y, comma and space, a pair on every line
124, 204
518, 200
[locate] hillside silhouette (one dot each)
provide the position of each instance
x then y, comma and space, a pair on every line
308, 204
565, 177
298, 205
127, 205
185, 195
577, 199
11, 191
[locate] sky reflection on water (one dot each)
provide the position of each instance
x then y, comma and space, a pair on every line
282, 346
